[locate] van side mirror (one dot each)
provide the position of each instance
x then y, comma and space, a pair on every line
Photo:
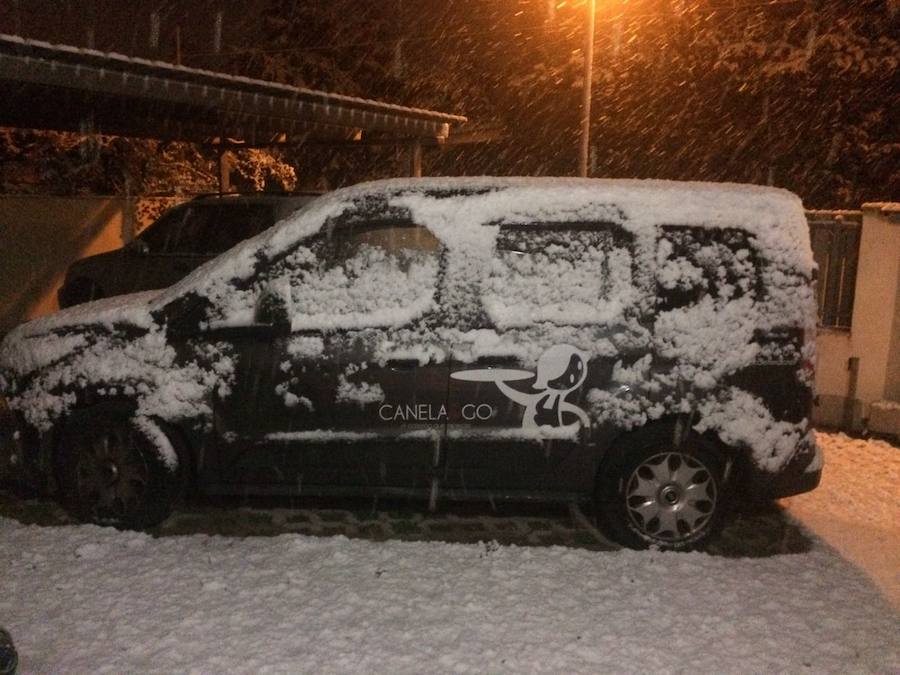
185, 315
273, 308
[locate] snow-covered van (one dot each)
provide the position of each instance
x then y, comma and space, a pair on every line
646, 346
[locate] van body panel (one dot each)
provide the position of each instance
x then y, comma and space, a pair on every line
461, 338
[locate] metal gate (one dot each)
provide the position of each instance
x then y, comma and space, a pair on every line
835, 243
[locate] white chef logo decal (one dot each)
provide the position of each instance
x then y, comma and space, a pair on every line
560, 371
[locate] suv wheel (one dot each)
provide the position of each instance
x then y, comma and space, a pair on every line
111, 472
654, 491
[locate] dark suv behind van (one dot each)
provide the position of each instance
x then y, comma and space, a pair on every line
182, 239
643, 345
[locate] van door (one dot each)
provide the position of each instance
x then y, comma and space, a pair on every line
554, 301
354, 398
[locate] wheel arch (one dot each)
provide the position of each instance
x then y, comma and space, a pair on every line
671, 428
176, 435
129, 479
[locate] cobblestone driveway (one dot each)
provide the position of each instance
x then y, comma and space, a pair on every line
764, 531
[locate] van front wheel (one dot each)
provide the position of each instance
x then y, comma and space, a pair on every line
110, 470
652, 491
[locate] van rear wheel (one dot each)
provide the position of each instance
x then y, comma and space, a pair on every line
654, 491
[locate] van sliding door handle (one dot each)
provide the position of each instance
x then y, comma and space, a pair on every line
497, 361
403, 364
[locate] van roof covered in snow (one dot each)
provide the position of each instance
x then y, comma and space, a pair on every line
456, 208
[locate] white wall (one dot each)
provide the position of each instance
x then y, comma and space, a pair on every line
874, 338
41, 236
833, 377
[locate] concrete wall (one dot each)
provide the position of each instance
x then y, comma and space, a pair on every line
833, 379
40, 237
847, 395
892, 384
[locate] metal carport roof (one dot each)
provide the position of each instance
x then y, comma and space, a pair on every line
48, 86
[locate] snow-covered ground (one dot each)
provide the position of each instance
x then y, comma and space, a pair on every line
856, 509
84, 599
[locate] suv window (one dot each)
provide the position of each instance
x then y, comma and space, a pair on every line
362, 275
206, 229
227, 224
570, 274
160, 236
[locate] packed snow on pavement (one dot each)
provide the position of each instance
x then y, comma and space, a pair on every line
89, 599
856, 509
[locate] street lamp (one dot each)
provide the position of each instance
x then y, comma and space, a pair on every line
586, 93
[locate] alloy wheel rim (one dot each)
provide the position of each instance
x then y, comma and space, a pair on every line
110, 475
670, 497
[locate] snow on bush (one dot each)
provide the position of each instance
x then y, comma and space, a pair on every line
672, 288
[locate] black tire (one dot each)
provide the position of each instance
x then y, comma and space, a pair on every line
9, 660
109, 470
653, 489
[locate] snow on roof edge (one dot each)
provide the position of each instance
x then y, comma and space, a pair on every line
775, 215
176, 69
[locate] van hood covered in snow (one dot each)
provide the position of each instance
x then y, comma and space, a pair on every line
42, 341
107, 349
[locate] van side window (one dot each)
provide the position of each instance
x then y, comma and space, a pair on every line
362, 275
568, 274
695, 262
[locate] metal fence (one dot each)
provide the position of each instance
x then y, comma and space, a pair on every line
835, 243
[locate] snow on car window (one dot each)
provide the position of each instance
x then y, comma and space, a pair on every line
694, 262
366, 276
566, 275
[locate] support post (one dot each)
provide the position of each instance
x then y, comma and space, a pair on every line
415, 159
224, 171
586, 93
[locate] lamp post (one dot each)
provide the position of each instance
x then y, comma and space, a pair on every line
586, 93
